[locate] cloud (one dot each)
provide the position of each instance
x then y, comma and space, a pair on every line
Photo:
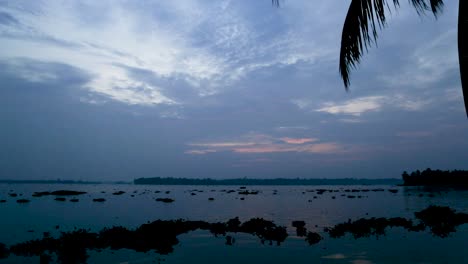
298, 140
211, 46
7, 19
199, 151
320, 148
354, 107
223, 144
261, 143
359, 106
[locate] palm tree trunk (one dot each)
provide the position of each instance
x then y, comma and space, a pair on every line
463, 48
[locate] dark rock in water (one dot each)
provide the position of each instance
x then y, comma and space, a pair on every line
193, 194
99, 200
118, 193
351, 196
40, 194
242, 187
247, 192
57, 193
13, 194
210, 199
4, 253
132, 195
74, 200
66, 192
2, 201
393, 190
300, 228
165, 200
22, 201
60, 199
242, 198
313, 238
167, 192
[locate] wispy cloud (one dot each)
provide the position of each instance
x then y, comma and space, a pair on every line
359, 106
298, 140
354, 107
261, 143
208, 45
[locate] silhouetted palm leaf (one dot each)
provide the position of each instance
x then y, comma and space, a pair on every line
360, 31
360, 28
463, 48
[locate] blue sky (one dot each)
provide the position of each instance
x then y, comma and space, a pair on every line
114, 90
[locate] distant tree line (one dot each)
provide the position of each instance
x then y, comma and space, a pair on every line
249, 181
58, 181
430, 177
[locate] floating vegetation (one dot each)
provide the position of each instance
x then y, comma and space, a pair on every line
160, 236
313, 238
300, 228
441, 221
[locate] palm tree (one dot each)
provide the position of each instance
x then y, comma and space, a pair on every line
365, 16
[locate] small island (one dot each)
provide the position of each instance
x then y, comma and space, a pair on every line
428, 177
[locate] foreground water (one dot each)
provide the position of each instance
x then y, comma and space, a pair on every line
281, 204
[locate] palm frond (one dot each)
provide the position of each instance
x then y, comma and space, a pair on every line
360, 28
275, 3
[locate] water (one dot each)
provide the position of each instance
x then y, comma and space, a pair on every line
22, 222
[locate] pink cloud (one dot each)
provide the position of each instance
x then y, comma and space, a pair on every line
298, 140
260, 143
222, 144
278, 148
199, 151
259, 149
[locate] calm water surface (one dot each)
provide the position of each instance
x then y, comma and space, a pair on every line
21, 222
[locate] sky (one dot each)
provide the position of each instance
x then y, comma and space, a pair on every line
117, 90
